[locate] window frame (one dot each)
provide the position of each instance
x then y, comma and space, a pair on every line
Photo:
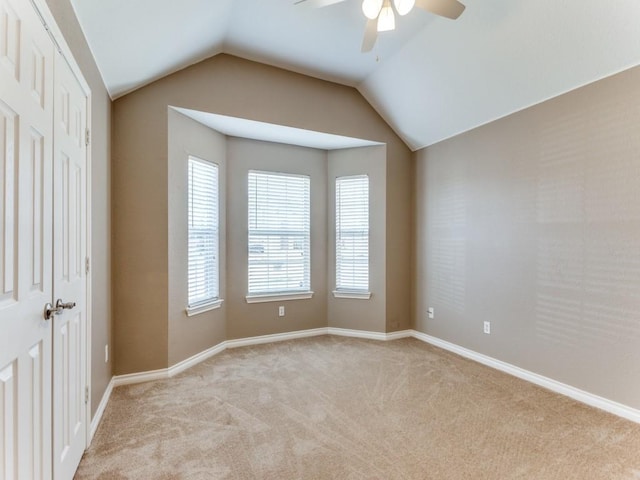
214, 300
363, 293
268, 295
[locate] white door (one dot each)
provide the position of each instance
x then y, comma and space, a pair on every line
43, 362
69, 277
26, 136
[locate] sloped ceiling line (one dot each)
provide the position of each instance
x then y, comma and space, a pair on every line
430, 79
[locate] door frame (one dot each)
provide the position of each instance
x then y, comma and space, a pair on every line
48, 20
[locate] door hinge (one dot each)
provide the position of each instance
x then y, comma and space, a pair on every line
86, 265
87, 137
86, 394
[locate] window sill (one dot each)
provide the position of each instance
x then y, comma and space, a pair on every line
353, 295
277, 297
191, 311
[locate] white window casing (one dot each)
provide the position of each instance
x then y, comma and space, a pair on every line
352, 237
279, 236
204, 236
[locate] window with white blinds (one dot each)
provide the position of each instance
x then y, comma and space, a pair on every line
203, 218
352, 233
279, 233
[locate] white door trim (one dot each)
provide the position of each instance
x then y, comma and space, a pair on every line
48, 20
87, 277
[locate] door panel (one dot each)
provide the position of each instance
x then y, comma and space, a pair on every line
8, 421
26, 167
69, 278
9, 130
10, 39
43, 111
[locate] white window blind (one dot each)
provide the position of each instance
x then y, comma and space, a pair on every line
203, 232
279, 233
352, 233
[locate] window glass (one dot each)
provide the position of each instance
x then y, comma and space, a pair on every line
352, 233
279, 233
204, 265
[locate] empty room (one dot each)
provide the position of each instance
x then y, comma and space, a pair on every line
319, 239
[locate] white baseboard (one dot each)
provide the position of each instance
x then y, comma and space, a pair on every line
196, 359
141, 377
346, 332
558, 387
587, 398
276, 337
165, 373
399, 334
97, 417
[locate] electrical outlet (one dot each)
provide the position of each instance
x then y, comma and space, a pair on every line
487, 328
106, 353
430, 312
281, 311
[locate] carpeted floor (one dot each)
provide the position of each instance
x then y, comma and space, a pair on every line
340, 408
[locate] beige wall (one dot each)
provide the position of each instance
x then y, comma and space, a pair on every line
247, 320
360, 314
399, 240
236, 156
139, 242
533, 223
188, 336
229, 86
100, 206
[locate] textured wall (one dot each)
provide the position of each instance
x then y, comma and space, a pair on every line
355, 313
399, 212
247, 320
229, 86
533, 223
100, 197
191, 335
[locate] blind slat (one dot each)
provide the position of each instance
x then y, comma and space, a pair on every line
352, 233
203, 231
279, 232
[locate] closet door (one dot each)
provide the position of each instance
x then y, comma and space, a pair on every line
69, 276
26, 133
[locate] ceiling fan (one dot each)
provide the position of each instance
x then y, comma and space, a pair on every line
381, 13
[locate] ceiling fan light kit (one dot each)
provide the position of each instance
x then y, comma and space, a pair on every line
404, 6
371, 8
381, 13
386, 19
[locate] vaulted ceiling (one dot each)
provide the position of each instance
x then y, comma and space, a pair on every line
430, 79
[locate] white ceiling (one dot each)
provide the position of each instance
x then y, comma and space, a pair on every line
430, 79
269, 132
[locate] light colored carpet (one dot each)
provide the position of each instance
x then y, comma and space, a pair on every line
340, 408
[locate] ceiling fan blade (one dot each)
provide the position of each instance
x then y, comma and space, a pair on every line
370, 35
316, 3
445, 8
